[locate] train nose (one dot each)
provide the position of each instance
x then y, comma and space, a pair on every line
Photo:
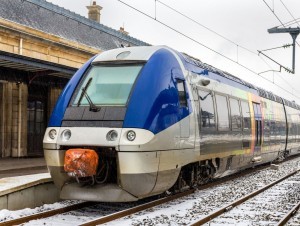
81, 162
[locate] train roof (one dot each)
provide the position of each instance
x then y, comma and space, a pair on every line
143, 53
261, 92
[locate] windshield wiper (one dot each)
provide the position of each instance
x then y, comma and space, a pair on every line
93, 107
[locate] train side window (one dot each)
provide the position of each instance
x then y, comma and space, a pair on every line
181, 93
236, 123
222, 110
246, 115
207, 110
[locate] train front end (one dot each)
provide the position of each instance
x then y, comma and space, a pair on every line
102, 143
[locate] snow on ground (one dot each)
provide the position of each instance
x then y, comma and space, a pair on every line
183, 211
80, 216
13, 182
267, 208
6, 215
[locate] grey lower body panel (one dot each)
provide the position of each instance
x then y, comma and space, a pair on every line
140, 185
97, 193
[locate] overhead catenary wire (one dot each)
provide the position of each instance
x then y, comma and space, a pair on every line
186, 36
216, 33
273, 11
289, 12
207, 28
291, 22
276, 16
203, 45
278, 75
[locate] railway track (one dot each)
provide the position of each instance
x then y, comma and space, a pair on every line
126, 212
148, 205
136, 209
238, 202
101, 220
289, 215
47, 214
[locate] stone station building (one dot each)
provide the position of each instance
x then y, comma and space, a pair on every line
41, 47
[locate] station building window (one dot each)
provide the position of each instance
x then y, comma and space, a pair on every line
222, 109
206, 110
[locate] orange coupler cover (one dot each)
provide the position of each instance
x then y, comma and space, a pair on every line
81, 162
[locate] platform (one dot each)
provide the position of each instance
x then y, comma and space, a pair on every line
24, 183
22, 166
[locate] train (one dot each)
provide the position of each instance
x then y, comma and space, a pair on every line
142, 121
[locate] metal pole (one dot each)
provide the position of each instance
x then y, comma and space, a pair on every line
294, 36
294, 32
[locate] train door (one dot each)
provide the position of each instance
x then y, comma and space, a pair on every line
257, 128
207, 122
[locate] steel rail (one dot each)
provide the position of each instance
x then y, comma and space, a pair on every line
289, 215
50, 213
127, 212
240, 201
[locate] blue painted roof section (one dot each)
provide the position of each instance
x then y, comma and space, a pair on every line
154, 102
52, 19
196, 66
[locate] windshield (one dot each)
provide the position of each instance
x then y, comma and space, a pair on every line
107, 85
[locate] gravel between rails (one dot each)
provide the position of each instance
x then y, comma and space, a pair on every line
268, 208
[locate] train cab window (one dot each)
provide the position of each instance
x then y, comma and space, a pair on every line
181, 93
246, 115
236, 123
207, 112
108, 85
222, 110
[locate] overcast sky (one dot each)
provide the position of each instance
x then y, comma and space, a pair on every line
244, 23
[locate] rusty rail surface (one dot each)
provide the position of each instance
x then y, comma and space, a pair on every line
289, 215
47, 214
136, 209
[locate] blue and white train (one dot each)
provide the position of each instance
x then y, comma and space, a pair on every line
137, 122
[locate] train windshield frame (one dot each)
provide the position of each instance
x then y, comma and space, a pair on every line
106, 85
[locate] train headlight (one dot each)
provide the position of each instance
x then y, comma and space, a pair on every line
52, 134
66, 135
131, 135
112, 135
